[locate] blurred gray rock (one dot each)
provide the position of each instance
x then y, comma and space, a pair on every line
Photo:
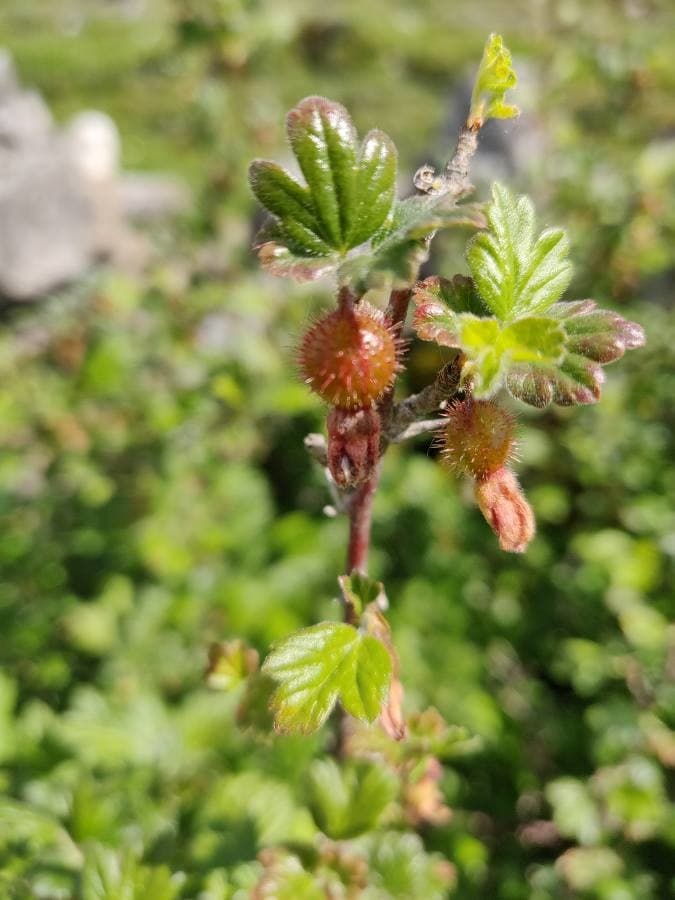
45, 223
64, 204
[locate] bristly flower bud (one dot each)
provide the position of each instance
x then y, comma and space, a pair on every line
478, 438
353, 444
506, 510
350, 356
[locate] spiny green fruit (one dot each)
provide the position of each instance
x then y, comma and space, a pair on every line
478, 438
350, 356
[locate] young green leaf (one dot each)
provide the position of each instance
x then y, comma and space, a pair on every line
594, 337
348, 194
349, 801
358, 591
319, 665
515, 274
495, 77
113, 875
230, 663
446, 312
492, 349
403, 869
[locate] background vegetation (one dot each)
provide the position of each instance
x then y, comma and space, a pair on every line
155, 495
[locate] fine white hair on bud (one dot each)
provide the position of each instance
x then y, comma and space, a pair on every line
478, 437
506, 510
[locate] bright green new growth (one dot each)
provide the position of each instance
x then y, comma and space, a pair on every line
495, 77
318, 666
491, 347
515, 274
542, 351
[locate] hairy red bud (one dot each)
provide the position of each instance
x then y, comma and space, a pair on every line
506, 510
353, 444
350, 356
478, 438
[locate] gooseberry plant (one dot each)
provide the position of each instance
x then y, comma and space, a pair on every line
508, 333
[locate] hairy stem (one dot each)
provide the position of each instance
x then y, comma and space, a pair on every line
434, 396
454, 180
399, 300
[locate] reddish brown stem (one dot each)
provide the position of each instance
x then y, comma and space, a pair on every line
360, 518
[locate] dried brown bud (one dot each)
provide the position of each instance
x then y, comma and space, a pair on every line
506, 510
353, 444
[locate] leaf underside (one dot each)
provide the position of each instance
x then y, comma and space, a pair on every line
556, 358
595, 337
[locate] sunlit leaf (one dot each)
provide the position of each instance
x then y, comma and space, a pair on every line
111, 875
347, 197
492, 348
515, 273
594, 337
402, 869
319, 665
495, 77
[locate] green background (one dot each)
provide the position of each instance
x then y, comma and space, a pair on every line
155, 495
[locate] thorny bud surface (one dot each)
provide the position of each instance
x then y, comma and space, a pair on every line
507, 512
353, 444
350, 356
478, 438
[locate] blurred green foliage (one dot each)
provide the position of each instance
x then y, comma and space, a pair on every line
155, 495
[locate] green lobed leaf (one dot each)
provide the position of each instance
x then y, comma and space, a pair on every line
495, 77
402, 869
323, 139
283, 196
594, 337
492, 348
375, 188
515, 274
319, 665
349, 801
348, 194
